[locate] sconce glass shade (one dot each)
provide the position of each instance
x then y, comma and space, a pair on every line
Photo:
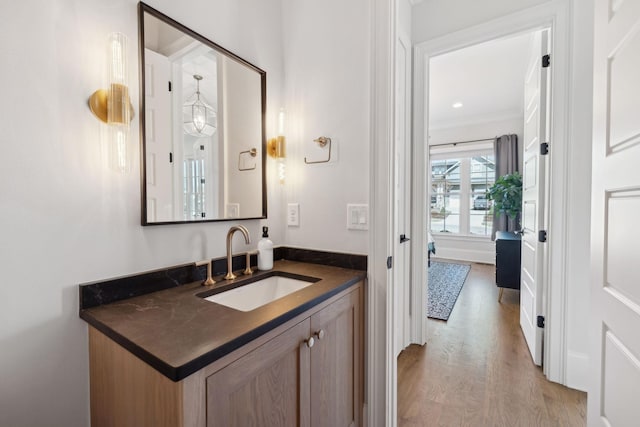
277, 147
282, 170
199, 117
113, 105
119, 111
281, 146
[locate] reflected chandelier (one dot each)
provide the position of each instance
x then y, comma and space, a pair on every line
198, 116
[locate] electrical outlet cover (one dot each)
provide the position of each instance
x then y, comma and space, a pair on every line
293, 215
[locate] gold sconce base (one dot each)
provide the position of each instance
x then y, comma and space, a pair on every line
276, 147
98, 104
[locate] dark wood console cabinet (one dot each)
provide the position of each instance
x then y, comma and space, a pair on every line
507, 261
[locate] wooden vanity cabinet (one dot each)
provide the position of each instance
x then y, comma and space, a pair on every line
290, 382
278, 379
268, 386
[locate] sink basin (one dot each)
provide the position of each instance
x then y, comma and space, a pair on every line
258, 293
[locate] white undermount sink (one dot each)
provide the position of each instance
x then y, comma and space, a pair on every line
253, 295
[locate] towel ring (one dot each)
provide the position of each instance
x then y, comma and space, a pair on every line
253, 152
322, 142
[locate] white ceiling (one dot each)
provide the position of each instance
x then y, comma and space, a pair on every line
488, 79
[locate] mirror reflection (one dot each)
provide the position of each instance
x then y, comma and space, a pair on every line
203, 127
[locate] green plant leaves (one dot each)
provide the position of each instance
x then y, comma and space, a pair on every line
506, 194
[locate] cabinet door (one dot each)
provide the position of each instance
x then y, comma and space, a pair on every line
336, 367
267, 387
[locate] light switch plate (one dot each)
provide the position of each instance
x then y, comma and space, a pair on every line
357, 217
293, 215
233, 210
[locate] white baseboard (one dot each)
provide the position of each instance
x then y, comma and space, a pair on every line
577, 370
468, 255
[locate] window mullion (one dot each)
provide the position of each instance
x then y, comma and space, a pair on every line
465, 190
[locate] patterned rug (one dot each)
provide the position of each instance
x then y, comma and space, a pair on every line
445, 283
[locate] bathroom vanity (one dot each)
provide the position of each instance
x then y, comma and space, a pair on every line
172, 358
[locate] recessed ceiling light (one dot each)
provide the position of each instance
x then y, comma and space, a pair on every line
457, 105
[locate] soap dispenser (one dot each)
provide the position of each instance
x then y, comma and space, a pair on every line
265, 251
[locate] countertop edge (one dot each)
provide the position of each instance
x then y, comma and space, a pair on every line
181, 372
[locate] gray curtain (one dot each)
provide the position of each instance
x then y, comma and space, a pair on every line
507, 161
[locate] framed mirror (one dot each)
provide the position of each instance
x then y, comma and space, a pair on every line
202, 126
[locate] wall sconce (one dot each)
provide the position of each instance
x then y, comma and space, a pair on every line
113, 105
277, 147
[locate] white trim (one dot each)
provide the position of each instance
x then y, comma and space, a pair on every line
467, 255
381, 365
420, 221
577, 370
554, 15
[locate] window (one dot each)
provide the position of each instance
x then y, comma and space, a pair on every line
458, 199
194, 189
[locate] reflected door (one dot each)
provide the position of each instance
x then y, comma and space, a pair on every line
158, 137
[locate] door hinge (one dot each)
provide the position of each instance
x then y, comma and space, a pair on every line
389, 262
202, 147
404, 238
546, 61
544, 148
170, 157
202, 180
542, 236
169, 86
203, 214
540, 321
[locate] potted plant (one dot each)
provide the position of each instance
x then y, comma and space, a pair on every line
506, 194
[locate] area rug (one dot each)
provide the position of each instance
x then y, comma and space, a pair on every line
445, 283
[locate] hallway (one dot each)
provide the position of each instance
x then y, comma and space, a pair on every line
476, 369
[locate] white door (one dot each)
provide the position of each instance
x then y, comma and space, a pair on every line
402, 207
615, 232
533, 196
158, 137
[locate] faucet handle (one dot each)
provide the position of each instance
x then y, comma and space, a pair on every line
247, 268
209, 281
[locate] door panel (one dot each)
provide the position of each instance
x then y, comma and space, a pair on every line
269, 385
533, 196
402, 209
158, 137
621, 382
615, 290
335, 368
624, 98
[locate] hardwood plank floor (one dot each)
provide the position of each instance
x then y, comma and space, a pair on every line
476, 369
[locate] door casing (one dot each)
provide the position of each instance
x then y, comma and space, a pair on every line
555, 16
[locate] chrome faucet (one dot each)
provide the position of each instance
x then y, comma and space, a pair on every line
247, 239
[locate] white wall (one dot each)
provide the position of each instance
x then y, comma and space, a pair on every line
434, 18
66, 218
471, 131
327, 78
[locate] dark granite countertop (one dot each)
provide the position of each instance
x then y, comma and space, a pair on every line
178, 332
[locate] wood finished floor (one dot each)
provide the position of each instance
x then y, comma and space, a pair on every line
476, 369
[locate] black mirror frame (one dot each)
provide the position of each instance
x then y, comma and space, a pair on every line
142, 9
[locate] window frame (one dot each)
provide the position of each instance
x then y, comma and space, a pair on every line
465, 192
